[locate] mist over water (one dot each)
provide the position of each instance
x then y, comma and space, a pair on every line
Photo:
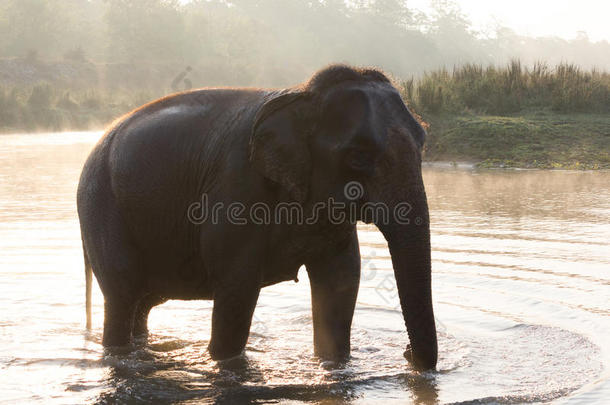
521, 286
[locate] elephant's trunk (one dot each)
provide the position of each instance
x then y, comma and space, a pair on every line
409, 243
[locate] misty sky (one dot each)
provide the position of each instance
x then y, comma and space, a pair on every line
562, 18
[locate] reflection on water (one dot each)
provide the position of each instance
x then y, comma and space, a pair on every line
521, 290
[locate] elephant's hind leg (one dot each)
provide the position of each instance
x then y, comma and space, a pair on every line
140, 322
118, 322
116, 263
121, 296
122, 292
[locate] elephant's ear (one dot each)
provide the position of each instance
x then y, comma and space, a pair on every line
278, 147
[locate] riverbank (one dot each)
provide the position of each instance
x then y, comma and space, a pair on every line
530, 140
515, 115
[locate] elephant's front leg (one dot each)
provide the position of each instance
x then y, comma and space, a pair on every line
236, 289
334, 287
231, 318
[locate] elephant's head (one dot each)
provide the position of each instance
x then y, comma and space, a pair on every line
351, 125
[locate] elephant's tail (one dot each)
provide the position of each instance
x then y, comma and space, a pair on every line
88, 281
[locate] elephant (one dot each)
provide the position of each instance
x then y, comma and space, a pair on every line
298, 147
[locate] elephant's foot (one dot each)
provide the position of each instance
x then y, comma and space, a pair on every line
415, 362
119, 350
337, 355
231, 319
118, 324
140, 331
140, 321
223, 352
140, 325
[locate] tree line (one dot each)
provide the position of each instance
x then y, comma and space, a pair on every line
271, 42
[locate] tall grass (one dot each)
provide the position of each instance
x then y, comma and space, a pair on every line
564, 88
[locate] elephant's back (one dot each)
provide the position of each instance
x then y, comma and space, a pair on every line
183, 123
178, 140
160, 158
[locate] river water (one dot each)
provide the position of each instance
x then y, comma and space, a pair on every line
521, 281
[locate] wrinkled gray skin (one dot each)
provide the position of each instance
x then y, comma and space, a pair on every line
248, 145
